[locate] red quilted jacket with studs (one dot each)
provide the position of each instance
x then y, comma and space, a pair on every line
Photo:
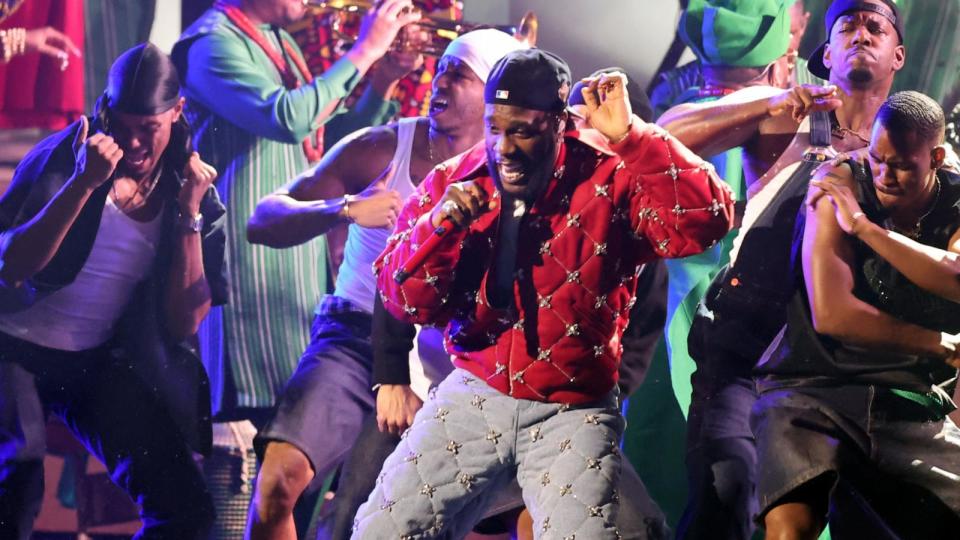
608, 210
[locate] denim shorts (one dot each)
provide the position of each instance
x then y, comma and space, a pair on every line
898, 460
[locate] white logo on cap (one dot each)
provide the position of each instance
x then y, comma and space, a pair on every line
503, 94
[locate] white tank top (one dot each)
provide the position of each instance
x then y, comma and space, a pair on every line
355, 280
82, 315
429, 361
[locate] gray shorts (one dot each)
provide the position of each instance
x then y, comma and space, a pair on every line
323, 405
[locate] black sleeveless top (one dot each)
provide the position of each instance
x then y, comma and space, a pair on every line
804, 357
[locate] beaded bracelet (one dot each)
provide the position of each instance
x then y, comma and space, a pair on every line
13, 41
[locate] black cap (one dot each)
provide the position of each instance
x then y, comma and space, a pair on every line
142, 81
639, 101
838, 9
531, 79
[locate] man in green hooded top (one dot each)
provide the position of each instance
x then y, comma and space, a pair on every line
671, 85
738, 44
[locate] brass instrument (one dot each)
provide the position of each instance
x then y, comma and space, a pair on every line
343, 19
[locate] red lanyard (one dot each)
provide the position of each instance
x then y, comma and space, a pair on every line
312, 146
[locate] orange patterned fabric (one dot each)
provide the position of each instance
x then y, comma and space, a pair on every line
319, 47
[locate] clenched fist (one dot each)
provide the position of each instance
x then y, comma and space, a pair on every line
96, 157
462, 202
380, 25
397, 404
800, 101
198, 177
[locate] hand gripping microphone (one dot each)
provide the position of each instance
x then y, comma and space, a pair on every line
429, 246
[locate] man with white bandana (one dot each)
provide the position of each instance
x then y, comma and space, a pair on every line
363, 181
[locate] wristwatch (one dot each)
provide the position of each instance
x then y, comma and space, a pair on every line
187, 223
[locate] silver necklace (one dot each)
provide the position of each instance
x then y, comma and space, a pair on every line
841, 132
914, 232
144, 196
430, 156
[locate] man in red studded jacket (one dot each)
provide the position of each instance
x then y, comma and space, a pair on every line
534, 286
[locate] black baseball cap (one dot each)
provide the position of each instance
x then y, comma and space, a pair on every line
531, 79
886, 8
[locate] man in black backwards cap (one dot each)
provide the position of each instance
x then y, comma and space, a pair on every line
534, 286
110, 255
863, 52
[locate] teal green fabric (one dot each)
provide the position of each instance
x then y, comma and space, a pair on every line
933, 48
249, 127
938, 404
231, 77
802, 75
655, 439
738, 33
111, 28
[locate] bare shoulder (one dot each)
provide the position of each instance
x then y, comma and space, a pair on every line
360, 157
836, 171
821, 209
351, 164
370, 142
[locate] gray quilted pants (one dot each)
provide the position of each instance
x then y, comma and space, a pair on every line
469, 441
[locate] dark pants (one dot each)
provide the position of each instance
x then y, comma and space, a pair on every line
112, 412
721, 460
357, 479
721, 451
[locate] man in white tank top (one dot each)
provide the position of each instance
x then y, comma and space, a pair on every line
106, 270
362, 181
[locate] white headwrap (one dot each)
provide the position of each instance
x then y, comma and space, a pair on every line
480, 49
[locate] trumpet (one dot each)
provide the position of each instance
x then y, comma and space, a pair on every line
342, 17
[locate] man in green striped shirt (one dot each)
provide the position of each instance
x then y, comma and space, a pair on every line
255, 108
